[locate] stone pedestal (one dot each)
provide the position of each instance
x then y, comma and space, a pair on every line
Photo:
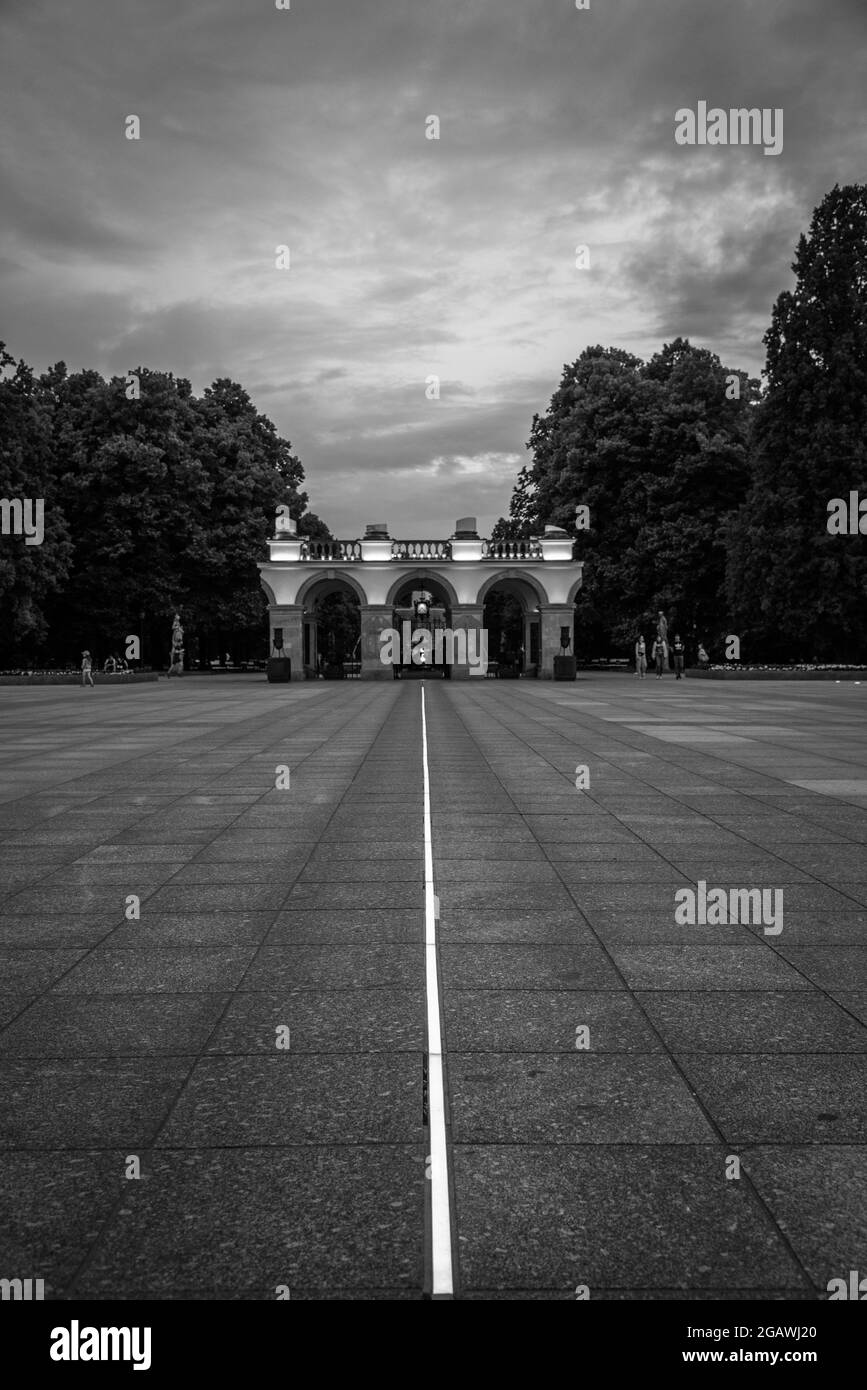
279, 669
375, 619
289, 617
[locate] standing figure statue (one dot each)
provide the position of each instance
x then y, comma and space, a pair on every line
176, 667
662, 627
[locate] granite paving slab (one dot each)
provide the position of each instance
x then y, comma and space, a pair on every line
602, 1061
553, 1217
804, 1099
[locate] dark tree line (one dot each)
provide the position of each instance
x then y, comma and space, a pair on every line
156, 501
708, 493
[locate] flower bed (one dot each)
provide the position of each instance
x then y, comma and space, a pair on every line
780, 673
74, 677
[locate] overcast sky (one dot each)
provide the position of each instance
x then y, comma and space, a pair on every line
409, 257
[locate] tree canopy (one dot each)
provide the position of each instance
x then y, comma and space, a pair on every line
155, 500
708, 495
658, 452
795, 589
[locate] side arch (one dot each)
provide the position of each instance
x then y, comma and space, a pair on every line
501, 576
575, 589
331, 583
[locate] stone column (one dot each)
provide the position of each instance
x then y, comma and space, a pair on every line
471, 621
375, 618
310, 641
552, 619
528, 627
289, 617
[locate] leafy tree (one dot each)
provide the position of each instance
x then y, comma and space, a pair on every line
795, 590
28, 573
251, 471
156, 501
522, 511
658, 453
700, 451
134, 492
313, 527
170, 500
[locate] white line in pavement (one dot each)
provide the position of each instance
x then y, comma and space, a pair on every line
441, 1226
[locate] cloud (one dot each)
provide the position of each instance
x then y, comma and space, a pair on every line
409, 257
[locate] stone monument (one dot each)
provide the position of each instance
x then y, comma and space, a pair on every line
176, 667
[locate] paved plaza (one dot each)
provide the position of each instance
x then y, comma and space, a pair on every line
600, 1158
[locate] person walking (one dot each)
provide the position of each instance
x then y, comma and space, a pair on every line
703, 658
640, 658
662, 626
86, 669
660, 656
677, 653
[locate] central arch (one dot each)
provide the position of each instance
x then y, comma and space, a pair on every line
437, 617
331, 625
512, 604
424, 579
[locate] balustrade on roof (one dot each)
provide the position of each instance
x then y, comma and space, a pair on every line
334, 551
